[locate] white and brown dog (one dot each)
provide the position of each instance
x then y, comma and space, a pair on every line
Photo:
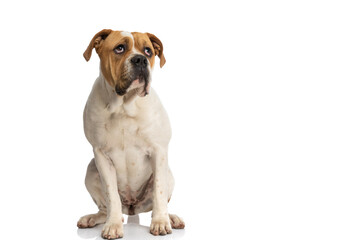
129, 134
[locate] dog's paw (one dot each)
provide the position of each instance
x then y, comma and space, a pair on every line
112, 230
176, 222
91, 220
160, 226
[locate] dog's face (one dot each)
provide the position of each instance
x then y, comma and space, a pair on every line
126, 59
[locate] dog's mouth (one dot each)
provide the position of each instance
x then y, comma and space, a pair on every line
140, 84
142, 87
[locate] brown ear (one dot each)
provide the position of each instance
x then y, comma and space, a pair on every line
158, 47
95, 42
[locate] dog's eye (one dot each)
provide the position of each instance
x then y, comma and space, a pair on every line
119, 49
148, 51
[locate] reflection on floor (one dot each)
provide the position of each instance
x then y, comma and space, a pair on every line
132, 231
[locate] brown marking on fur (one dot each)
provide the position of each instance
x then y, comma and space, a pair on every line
96, 42
149, 40
158, 47
141, 42
111, 64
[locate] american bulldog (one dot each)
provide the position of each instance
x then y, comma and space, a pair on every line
129, 131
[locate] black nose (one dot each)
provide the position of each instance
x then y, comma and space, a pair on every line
139, 61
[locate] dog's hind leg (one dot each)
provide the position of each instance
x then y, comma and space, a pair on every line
91, 220
176, 222
93, 185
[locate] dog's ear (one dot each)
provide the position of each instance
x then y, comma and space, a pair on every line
96, 42
158, 47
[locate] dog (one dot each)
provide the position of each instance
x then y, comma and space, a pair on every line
129, 131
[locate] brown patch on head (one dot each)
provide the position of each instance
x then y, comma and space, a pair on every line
112, 64
144, 40
115, 65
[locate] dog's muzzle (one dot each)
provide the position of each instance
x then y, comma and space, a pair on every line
139, 77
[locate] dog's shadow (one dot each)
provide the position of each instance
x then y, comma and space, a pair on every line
132, 231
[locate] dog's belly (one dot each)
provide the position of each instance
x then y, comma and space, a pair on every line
134, 177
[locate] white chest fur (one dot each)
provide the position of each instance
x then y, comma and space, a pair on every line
126, 129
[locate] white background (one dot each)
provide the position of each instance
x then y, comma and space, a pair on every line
263, 97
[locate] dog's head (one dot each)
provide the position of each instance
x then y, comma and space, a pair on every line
126, 59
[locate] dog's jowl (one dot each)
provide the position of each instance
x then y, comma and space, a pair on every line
129, 131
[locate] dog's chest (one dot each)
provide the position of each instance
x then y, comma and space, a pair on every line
125, 132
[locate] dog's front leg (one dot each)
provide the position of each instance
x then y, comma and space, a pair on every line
113, 227
160, 223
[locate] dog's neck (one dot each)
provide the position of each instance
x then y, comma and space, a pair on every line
118, 104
